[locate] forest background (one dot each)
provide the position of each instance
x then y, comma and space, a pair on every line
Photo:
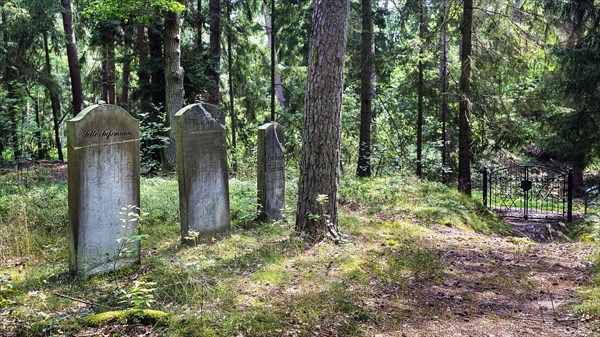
533, 88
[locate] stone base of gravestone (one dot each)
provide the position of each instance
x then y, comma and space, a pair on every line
202, 174
104, 177
271, 172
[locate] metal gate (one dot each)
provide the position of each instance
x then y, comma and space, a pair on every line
529, 192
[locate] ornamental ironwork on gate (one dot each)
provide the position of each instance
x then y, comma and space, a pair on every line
529, 192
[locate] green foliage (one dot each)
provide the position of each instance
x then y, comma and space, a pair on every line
139, 295
143, 11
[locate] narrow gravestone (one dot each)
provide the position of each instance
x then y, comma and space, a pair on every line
202, 174
104, 177
271, 172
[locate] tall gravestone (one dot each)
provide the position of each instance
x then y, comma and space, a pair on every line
271, 172
104, 177
202, 173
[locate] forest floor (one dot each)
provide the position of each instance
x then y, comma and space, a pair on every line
420, 259
499, 286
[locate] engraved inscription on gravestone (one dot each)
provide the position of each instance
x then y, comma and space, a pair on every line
202, 173
271, 172
104, 176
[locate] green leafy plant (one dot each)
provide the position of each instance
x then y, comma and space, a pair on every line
6, 288
139, 296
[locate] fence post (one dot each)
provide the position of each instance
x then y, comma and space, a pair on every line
570, 196
485, 185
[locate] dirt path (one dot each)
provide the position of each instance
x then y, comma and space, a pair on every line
496, 286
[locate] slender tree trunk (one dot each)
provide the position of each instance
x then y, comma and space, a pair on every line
74, 69
276, 78
10, 75
173, 77
213, 70
4, 67
54, 99
367, 90
157, 62
127, 59
143, 70
464, 132
230, 78
420, 89
444, 86
41, 152
199, 29
321, 135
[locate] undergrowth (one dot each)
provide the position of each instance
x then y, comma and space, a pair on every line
261, 280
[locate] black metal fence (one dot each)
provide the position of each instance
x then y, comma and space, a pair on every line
529, 192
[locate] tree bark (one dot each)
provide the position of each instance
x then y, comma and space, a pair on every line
367, 90
230, 79
127, 59
420, 89
321, 135
213, 69
143, 70
157, 63
108, 63
444, 86
199, 29
74, 68
464, 132
54, 99
173, 77
276, 78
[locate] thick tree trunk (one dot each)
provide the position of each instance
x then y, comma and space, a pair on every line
127, 59
143, 70
464, 132
321, 137
54, 99
420, 89
214, 64
74, 69
367, 90
173, 77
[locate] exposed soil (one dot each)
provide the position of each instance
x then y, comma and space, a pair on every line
498, 286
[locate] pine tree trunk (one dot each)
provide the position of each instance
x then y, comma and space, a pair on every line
157, 63
41, 152
213, 70
74, 69
199, 29
231, 94
420, 90
143, 70
54, 99
367, 90
321, 136
127, 59
173, 77
107, 41
444, 86
277, 78
464, 132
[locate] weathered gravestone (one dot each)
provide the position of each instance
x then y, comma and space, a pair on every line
202, 173
104, 177
271, 172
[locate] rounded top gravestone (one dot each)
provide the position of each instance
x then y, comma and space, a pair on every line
104, 177
202, 173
